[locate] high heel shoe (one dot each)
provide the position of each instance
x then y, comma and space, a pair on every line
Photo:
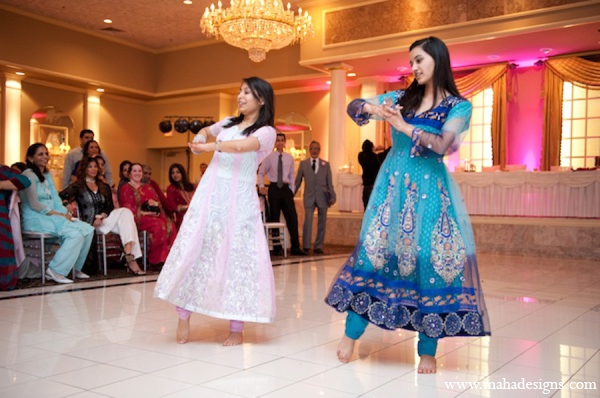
129, 258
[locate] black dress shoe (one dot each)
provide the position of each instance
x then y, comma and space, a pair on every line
318, 251
299, 252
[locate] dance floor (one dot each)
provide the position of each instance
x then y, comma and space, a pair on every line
113, 339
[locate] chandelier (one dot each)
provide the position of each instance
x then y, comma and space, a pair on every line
257, 25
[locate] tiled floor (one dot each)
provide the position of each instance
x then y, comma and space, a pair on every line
114, 339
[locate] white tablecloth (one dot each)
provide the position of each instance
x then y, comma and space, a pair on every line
548, 194
349, 192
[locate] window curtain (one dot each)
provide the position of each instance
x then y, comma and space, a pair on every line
473, 83
575, 70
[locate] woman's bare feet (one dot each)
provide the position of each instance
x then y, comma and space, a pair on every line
183, 330
428, 364
234, 338
345, 349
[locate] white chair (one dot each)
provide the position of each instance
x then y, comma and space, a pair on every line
560, 168
491, 168
516, 167
282, 232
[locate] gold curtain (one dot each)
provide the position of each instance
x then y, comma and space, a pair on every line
577, 71
473, 83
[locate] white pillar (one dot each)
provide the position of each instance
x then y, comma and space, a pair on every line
92, 113
12, 119
370, 88
336, 145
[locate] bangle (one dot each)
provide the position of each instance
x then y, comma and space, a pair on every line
217, 146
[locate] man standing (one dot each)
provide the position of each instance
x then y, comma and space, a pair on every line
319, 192
76, 154
279, 169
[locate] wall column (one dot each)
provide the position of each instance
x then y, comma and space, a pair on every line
12, 118
370, 88
91, 117
336, 145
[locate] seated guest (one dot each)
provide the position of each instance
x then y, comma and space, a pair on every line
42, 211
94, 199
124, 168
167, 204
180, 191
144, 203
9, 181
91, 149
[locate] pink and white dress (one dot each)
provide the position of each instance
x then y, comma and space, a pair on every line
219, 264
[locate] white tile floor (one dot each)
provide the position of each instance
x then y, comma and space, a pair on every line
113, 339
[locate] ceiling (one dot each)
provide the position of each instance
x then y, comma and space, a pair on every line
164, 25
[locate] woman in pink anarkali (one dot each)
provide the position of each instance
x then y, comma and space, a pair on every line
219, 264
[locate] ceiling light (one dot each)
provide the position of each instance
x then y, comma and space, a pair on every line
328, 82
402, 68
20, 73
256, 25
546, 50
351, 74
108, 20
187, 1
100, 90
493, 57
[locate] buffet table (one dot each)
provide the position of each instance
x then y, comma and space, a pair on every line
533, 194
349, 192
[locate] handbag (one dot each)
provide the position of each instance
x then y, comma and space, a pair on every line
151, 209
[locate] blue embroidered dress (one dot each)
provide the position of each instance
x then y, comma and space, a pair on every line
414, 266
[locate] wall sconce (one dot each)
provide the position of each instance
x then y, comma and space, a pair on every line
539, 63
512, 66
182, 124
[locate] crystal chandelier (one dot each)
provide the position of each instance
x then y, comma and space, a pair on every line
256, 25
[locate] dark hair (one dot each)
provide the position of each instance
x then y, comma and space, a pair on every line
84, 132
33, 148
367, 146
86, 147
281, 135
19, 165
122, 166
185, 182
442, 75
82, 175
261, 90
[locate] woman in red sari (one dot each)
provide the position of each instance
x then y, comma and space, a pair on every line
144, 203
180, 191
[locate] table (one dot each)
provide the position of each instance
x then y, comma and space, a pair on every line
349, 192
532, 194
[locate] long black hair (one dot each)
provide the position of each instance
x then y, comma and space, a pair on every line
442, 75
185, 182
33, 148
261, 90
121, 167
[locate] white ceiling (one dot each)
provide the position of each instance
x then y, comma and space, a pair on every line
161, 25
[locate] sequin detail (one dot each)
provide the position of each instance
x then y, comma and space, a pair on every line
376, 240
405, 246
448, 255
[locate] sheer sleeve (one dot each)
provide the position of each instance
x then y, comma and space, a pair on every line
216, 128
355, 107
266, 138
451, 135
31, 194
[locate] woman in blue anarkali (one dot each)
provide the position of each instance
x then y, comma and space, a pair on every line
414, 266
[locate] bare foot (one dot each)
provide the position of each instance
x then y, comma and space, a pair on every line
428, 364
183, 330
234, 338
345, 349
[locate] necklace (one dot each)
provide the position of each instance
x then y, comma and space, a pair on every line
90, 180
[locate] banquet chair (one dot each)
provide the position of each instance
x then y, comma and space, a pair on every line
109, 246
491, 168
40, 246
560, 168
281, 227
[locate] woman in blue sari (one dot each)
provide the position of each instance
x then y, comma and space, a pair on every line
42, 211
414, 266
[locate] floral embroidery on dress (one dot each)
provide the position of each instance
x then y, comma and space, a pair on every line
406, 243
376, 240
448, 255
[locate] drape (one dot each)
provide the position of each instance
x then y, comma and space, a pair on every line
576, 70
473, 83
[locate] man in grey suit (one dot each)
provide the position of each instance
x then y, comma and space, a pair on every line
318, 192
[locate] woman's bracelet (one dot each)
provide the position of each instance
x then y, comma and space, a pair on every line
217, 148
